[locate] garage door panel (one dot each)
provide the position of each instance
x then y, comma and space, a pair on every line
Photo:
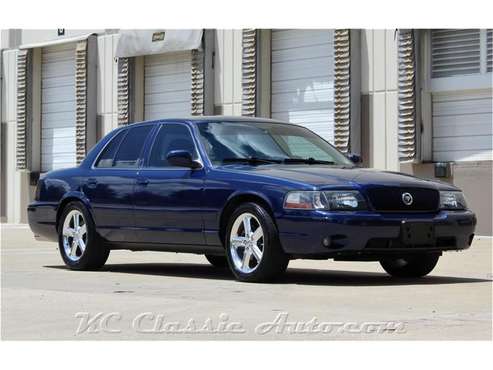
68, 107
57, 161
461, 96
473, 106
64, 69
58, 132
57, 120
465, 155
317, 68
53, 82
166, 70
287, 86
176, 110
167, 85
62, 145
58, 107
302, 52
171, 58
57, 57
299, 38
58, 94
56, 125
302, 75
294, 33
472, 142
307, 115
168, 97
299, 98
462, 126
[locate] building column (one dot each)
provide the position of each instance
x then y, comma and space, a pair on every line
379, 77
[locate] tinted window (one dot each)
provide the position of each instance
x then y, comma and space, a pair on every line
106, 158
170, 137
131, 147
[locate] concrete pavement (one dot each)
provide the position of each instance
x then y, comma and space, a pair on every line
151, 295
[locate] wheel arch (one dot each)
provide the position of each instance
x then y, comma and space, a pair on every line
237, 199
72, 197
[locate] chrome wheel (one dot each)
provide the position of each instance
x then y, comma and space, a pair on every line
74, 235
246, 243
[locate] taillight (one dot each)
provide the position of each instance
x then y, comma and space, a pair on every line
37, 193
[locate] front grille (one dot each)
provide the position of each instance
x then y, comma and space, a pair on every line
389, 199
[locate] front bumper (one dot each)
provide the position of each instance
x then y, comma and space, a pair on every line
352, 234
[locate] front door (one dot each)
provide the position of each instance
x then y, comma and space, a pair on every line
168, 200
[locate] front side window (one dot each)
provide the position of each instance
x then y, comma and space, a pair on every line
233, 141
170, 137
131, 147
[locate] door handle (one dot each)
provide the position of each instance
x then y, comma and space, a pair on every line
142, 181
92, 183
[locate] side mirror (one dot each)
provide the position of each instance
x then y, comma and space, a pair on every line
182, 158
354, 158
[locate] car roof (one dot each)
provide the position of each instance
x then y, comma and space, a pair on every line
199, 119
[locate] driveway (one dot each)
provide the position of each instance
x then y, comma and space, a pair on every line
151, 295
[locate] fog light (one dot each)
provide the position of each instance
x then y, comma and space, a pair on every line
326, 241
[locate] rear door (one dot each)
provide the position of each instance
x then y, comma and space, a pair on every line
168, 200
110, 186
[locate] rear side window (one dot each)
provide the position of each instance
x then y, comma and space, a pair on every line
129, 151
106, 158
170, 137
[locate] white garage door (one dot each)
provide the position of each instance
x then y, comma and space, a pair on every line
462, 126
168, 85
58, 107
303, 79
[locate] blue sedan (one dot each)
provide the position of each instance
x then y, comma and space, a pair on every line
247, 193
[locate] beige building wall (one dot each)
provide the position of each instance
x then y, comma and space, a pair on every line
17, 192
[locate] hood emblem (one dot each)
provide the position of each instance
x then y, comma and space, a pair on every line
407, 199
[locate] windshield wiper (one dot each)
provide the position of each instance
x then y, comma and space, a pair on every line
306, 161
250, 160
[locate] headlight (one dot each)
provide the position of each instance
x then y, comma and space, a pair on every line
452, 200
340, 200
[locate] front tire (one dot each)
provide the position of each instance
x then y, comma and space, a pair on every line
217, 261
79, 244
410, 267
253, 249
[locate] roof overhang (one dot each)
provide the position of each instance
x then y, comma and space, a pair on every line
60, 41
133, 43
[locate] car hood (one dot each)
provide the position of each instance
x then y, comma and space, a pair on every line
322, 175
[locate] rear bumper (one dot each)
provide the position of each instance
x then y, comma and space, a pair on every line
369, 234
42, 221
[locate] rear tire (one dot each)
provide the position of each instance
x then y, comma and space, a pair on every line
253, 249
80, 246
410, 267
217, 261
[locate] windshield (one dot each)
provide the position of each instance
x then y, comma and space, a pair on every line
265, 142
